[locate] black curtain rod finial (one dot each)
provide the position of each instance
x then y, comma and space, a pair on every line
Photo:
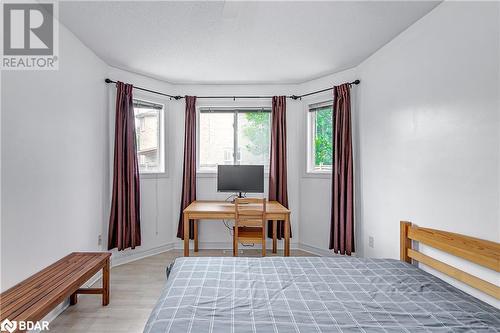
356, 82
108, 80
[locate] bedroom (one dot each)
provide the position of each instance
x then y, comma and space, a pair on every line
424, 129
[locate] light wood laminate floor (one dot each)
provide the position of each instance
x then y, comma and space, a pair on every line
135, 288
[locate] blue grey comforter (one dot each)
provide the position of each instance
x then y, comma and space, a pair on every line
313, 294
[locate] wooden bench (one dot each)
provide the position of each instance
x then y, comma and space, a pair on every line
35, 297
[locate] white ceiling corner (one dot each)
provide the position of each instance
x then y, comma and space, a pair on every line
238, 42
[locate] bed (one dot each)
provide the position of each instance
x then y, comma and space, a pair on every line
317, 294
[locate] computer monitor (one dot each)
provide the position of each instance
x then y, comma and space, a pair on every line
240, 178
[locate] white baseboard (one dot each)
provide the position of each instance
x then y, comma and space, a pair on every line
120, 258
316, 250
319, 251
53, 314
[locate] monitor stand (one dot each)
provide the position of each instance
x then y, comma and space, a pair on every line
240, 195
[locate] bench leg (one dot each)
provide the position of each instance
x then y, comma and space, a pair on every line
105, 284
73, 299
104, 291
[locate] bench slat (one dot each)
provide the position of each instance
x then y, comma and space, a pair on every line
36, 296
48, 292
45, 276
12, 291
45, 281
45, 305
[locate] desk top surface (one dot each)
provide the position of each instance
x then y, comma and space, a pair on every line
202, 206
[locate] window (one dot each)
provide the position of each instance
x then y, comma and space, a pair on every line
228, 136
320, 138
149, 130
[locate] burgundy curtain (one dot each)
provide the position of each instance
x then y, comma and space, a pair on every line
277, 168
342, 214
189, 170
124, 221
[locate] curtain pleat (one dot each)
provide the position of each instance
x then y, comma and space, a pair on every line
124, 221
189, 169
342, 208
278, 190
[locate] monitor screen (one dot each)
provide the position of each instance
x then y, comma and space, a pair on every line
240, 178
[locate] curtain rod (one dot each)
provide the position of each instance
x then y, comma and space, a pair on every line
294, 97
148, 90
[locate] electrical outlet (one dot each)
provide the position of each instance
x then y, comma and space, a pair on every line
370, 241
99, 240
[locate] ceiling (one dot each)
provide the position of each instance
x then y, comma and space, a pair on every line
238, 42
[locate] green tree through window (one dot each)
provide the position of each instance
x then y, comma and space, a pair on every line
233, 137
323, 138
257, 132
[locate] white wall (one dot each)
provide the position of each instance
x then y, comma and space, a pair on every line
429, 130
54, 158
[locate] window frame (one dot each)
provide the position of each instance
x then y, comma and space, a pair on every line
162, 136
209, 173
310, 136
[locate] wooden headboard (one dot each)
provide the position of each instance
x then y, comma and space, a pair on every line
478, 251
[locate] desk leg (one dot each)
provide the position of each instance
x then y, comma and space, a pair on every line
287, 236
195, 235
275, 240
264, 237
186, 235
235, 241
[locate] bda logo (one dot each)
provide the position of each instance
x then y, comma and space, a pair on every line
8, 326
11, 326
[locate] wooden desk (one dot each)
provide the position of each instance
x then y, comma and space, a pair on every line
222, 210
